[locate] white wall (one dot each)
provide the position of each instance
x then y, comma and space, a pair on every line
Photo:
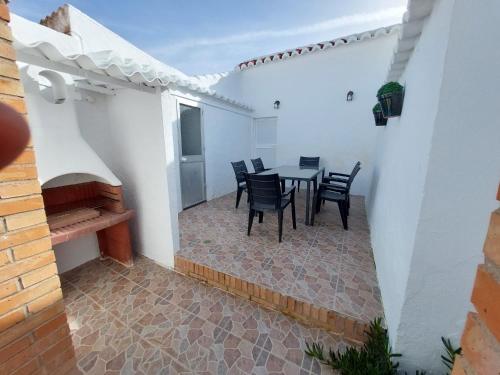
314, 118
401, 165
76, 252
450, 175
139, 158
227, 138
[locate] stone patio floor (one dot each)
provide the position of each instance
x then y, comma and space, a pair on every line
150, 320
322, 264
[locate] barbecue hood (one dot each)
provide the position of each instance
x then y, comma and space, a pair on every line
60, 148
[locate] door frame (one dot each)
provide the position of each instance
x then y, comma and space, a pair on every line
195, 104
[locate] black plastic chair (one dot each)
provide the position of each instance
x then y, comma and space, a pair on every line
336, 193
258, 165
307, 162
265, 195
240, 168
341, 180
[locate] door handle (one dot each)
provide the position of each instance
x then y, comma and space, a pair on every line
183, 158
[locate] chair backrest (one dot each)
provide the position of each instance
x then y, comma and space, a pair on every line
356, 166
258, 165
264, 191
240, 168
353, 174
309, 161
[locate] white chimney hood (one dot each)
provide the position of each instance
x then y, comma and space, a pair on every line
59, 146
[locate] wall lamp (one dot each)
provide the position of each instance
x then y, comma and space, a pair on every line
277, 104
350, 95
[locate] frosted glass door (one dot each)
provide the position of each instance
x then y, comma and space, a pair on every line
192, 163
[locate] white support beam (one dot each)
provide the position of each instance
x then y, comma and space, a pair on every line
98, 89
45, 63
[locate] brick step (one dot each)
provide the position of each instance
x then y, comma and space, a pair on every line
348, 327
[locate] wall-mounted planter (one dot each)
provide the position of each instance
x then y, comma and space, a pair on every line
380, 120
391, 96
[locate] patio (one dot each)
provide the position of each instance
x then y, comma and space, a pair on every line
322, 265
149, 320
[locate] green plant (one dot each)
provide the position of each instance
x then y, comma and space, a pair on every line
377, 108
450, 353
375, 357
389, 88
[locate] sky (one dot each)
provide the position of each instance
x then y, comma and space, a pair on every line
209, 36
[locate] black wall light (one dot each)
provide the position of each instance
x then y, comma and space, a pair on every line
277, 104
350, 95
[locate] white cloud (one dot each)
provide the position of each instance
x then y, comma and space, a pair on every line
389, 15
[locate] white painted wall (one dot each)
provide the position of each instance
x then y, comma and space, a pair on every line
227, 138
401, 165
76, 252
314, 118
446, 180
139, 158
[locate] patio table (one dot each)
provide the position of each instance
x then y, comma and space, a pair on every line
294, 172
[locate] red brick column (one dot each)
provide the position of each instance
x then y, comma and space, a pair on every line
34, 333
481, 337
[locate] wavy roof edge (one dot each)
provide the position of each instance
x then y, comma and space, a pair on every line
416, 14
111, 64
321, 46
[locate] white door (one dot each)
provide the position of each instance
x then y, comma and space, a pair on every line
266, 140
192, 156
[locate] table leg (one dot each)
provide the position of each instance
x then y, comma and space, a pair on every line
282, 185
315, 184
308, 203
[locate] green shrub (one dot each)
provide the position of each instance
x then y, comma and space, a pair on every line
377, 108
389, 88
375, 357
450, 353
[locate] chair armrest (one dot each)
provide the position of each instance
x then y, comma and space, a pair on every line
334, 179
338, 174
288, 191
327, 186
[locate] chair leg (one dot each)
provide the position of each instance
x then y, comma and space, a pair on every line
343, 212
280, 224
348, 204
251, 214
248, 197
317, 203
298, 185
294, 221
238, 196
261, 217
314, 209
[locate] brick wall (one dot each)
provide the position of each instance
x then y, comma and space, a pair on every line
481, 337
34, 333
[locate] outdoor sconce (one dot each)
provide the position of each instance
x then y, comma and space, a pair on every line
350, 94
277, 104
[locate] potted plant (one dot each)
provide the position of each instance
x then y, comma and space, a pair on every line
380, 120
390, 96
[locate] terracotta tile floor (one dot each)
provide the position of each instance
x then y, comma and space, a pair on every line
323, 265
149, 320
